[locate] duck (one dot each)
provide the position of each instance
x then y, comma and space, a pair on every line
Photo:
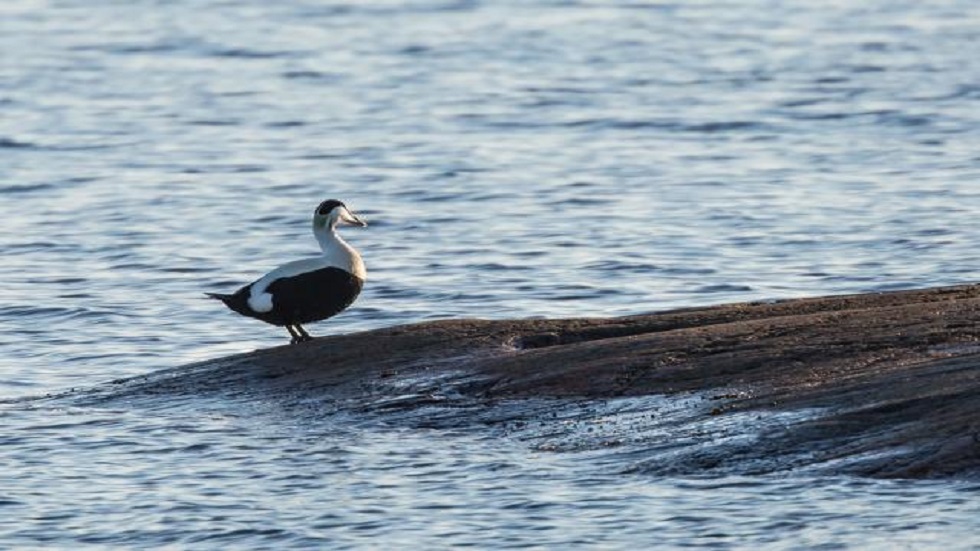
310, 289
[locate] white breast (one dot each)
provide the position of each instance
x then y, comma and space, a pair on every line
344, 256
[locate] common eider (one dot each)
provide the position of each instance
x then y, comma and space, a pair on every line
311, 289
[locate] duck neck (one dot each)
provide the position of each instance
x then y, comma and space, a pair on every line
338, 253
329, 241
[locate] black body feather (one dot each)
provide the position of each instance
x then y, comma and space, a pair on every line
302, 298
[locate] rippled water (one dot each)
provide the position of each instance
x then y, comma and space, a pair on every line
550, 158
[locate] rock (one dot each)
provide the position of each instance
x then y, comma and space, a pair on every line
881, 384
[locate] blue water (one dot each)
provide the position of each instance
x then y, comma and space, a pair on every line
515, 159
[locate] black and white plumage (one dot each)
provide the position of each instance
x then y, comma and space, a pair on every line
311, 289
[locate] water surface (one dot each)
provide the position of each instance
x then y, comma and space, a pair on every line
515, 159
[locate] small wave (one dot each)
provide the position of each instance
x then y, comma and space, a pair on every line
303, 75
882, 116
11, 143
830, 116
723, 288
803, 102
456, 171
585, 296
968, 91
620, 266
132, 48
903, 119
867, 69
75, 424
84, 146
319, 76
497, 267
583, 202
415, 50
62, 280
37, 311
24, 188
723, 126
147, 48
934, 232
245, 53
285, 124
619, 124
57, 312
894, 286
213, 122
33, 246
185, 269
689, 271
667, 124
387, 291
224, 169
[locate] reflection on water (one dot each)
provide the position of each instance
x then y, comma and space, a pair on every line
515, 160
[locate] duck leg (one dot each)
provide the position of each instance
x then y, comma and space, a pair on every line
303, 335
292, 333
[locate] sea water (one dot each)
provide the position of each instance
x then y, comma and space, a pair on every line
514, 159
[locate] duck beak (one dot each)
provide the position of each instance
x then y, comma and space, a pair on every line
350, 218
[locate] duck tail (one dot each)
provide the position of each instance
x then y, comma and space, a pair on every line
219, 296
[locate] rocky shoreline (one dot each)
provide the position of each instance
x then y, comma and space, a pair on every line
881, 385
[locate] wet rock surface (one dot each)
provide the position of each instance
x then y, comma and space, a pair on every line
882, 385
